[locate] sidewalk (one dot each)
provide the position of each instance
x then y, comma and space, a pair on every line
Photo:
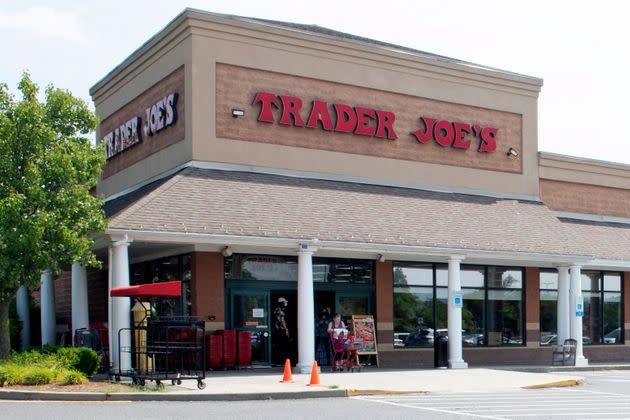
265, 384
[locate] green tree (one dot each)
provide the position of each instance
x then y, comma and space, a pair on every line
48, 167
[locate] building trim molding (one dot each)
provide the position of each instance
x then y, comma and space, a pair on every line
320, 176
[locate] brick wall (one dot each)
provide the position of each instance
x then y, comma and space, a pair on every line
63, 298
384, 278
173, 83
208, 288
237, 86
584, 198
626, 306
97, 294
532, 306
423, 358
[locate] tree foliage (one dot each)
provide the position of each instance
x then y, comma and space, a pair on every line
48, 167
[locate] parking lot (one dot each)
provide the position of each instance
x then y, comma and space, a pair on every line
604, 395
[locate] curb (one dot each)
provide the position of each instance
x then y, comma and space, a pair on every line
555, 369
555, 384
366, 392
155, 396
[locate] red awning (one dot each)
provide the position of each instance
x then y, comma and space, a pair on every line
164, 289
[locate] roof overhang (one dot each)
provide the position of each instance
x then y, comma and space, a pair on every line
267, 245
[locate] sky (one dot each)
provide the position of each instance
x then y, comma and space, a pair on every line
580, 49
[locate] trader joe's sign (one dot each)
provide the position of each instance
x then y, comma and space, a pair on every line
363, 121
159, 116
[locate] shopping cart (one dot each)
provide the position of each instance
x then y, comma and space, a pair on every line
346, 352
160, 349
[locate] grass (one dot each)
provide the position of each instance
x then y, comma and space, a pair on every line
40, 367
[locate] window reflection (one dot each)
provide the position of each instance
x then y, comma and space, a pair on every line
602, 322
420, 304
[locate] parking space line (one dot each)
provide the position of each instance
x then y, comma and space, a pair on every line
435, 410
521, 404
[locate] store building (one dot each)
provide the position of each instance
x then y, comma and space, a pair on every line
257, 160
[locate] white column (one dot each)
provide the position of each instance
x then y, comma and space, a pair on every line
120, 307
47, 309
455, 353
306, 310
80, 314
22, 306
576, 321
564, 306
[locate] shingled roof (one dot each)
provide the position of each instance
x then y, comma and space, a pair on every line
602, 240
251, 204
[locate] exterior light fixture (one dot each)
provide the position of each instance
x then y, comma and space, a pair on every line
380, 258
237, 113
226, 252
512, 152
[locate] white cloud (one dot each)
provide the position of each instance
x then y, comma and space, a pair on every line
43, 22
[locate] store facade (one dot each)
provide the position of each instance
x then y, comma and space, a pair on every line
262, 162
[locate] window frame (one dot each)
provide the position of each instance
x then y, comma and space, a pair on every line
484, 288
601, 293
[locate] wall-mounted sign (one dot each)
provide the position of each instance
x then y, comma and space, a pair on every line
348, 119
579, 305
369, 122
458, 299
158, 116
456, 134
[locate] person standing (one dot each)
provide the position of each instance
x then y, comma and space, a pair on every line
322, 339
280, 332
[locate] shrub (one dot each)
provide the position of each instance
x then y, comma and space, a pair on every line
89, 361
71, 377
69, 365
67, 357
81, 359
29, 358
36, 375
15, 374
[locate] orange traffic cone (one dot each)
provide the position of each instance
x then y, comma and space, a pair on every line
287, 372
314, 374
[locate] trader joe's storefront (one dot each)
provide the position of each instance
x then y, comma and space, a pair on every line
257, 287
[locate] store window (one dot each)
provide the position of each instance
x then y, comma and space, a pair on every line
414, 309
166, 269
548, 307
492, 312
284, 268
603, 313
261, 267
602, 321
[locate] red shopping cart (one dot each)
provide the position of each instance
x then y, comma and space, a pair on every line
346, 351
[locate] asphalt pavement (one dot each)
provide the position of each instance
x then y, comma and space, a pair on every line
606, 394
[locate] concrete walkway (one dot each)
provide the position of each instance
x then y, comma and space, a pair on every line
265, 384
390, 381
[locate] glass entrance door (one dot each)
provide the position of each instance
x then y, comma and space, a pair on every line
250, 312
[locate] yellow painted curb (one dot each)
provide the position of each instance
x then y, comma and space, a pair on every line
555, 384
359, 392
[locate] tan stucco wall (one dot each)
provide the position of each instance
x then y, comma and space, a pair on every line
147, 71
306, 58
200, 41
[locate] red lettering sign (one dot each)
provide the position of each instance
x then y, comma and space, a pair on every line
456, 134
358, 120
368, 122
